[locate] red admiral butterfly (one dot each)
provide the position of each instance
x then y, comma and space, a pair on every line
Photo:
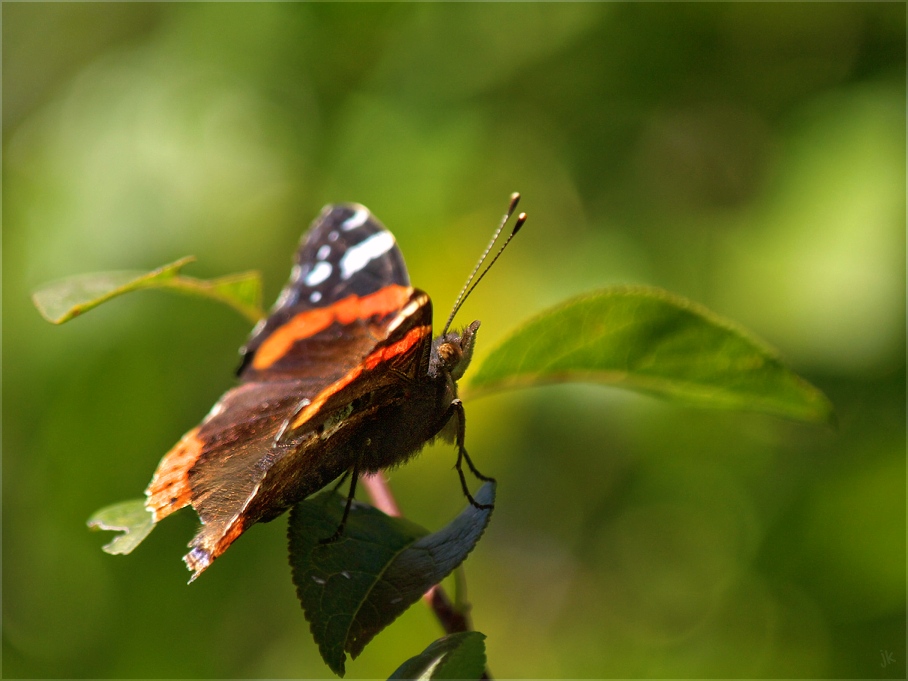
342, 377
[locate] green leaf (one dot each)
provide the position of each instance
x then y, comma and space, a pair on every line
650, 340
353, 588
62, 300
129, 517
456, 656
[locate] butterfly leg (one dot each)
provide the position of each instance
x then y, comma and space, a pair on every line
340, 480
339, 532
457, 412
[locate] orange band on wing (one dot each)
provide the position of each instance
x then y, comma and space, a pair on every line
388, 352
346, 311
413, 337
169, 489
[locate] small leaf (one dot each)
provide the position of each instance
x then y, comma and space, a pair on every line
650, 340
353, 588
129, 517
245, 288
63, 300
456, 656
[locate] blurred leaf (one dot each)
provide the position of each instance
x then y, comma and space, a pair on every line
62, 300
353, 588
650, 340
456, 656
129, 517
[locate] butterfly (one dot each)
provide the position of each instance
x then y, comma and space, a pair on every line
343, 377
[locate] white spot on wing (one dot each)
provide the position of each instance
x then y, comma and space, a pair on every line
358, 219
319, 273
360, 255
323, 252
315, 296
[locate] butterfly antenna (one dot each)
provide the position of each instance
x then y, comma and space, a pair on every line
470, 283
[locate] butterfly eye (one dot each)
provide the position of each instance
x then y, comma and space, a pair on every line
450, 355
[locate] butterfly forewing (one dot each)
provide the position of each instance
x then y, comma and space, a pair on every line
348, 275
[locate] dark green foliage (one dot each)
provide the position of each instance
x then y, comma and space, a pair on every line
456, 656
354, 587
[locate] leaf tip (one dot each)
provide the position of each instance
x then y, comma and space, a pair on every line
43, 309
130, 518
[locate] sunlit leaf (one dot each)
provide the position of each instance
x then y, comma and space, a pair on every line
353, 588
456, 656
129, 517
62, 300
244, 289
650, 340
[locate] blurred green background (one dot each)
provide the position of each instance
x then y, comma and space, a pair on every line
748, 156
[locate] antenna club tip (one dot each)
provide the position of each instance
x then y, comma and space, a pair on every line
515, 198
517, 225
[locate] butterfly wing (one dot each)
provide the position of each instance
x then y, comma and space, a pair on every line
345, 318
348, 271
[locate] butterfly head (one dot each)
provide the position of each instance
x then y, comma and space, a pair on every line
452, 352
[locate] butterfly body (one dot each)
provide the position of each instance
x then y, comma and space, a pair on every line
342, 376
